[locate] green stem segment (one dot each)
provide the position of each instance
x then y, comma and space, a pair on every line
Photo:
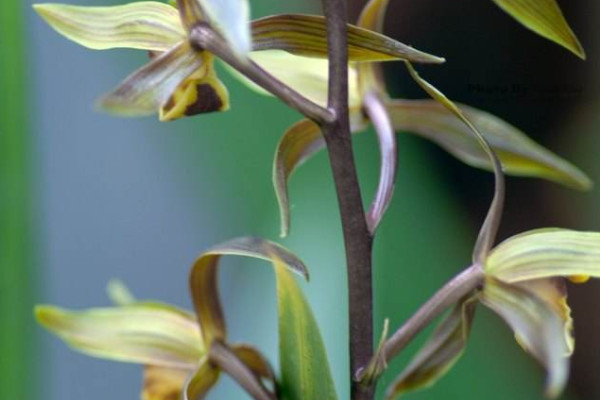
357, 237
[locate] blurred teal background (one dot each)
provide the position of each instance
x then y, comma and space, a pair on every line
86, 197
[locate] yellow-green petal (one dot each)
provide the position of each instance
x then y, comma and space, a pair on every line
439, 353
305, 371
545, 253
538, 329
306, 35
519, 154
161, 383
306, 75
151, 334
201, 381
203, 279
370, 75
146, 25
545, 18
150, 87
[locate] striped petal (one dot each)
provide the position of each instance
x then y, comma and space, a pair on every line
151, 334
519, 155
545, 253
151, 87
146, 25
545, 18
538, 328
370, 75
306, 35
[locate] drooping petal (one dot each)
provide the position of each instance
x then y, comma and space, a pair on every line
152, 334
162, 383
146, 25
489, 229
545, 18
203, 279
298, 143
305, 372
306, 35
538, 329
553, 291
519, 154
375, 109
439, 353
144, 91
201, 381
231, 18
545, 253
306, 75
201, 93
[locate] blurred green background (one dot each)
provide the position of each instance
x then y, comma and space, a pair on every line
86, 197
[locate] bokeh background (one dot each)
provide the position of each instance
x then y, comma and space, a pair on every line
86, 197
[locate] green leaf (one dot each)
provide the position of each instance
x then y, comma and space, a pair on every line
518, 154
152, 334
545, 253
439, 353
538, 329
305, 372
306, 35
203, 279
545, 18
146, 25
144, 91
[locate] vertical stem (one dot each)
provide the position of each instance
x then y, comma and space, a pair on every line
357, 238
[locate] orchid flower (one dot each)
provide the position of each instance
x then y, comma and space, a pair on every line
524, 283
181, 80
371, 104
183, 353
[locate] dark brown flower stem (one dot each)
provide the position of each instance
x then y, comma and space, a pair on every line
357, 238
461, 285
204, 37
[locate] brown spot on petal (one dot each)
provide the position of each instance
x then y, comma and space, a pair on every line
208, 100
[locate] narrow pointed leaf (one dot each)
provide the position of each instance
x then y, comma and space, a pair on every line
538, 329
439, 353
146, 25
378, 364
149, 88
386, 136
489, 229
298, 144
162, 383
305, 372
201, 381
545, 18
306, 35
150, 334
545, 253
518, 154
203, 279
370, 75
